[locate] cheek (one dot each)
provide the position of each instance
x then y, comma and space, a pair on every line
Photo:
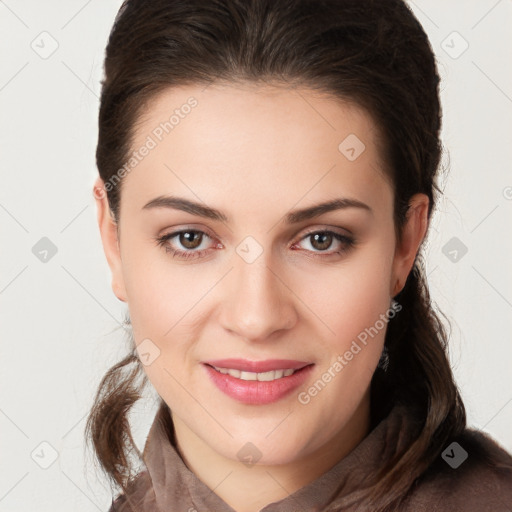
355, 303
161, 293
352, 296
164, 299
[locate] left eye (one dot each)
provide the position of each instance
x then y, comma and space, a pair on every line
191, 240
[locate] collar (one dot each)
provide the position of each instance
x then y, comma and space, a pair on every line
176, 487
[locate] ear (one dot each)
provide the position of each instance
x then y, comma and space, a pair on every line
109, 238
414, 231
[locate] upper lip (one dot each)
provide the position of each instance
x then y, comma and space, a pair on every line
257, 366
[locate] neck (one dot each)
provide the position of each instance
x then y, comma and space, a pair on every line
249, 489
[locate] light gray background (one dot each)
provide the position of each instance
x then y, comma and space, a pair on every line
60, 320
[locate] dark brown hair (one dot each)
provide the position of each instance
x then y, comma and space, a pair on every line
373, 53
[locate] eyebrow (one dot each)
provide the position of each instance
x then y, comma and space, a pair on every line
293, 217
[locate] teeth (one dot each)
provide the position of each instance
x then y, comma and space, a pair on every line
263, 377
247, 375
272, 375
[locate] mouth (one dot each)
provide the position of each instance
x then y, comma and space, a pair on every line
257, 382
259, 376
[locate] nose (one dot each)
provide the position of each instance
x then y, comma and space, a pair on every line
258, 302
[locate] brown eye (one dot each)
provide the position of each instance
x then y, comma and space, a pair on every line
190, 239
184, 244
321, 241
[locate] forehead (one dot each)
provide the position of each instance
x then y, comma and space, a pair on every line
261, 141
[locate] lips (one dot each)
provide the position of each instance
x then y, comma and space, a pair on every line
257, 382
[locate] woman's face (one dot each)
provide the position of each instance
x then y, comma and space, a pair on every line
258, 275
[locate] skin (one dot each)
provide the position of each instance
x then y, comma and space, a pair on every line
256, 153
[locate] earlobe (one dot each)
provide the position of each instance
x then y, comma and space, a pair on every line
414, 231
109, 238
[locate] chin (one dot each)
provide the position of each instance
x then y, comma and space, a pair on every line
263, 449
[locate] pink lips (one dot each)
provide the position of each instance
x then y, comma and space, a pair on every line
255, 392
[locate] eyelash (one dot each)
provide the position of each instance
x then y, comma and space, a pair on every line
163, 241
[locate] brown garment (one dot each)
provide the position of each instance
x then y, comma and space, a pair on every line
169, 486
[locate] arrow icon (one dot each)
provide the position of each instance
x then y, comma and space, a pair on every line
454, 455
450, 455
454, 45
249, 454
249, 249
454, 249
44, 250
44, 44
148, 351
351, 147
44, 455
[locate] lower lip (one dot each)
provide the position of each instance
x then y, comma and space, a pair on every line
254, 392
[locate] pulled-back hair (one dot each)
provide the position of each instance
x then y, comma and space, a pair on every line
373, 53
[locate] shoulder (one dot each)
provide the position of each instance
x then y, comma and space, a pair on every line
473, 473
140, 497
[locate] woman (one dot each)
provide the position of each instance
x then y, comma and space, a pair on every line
267, 178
